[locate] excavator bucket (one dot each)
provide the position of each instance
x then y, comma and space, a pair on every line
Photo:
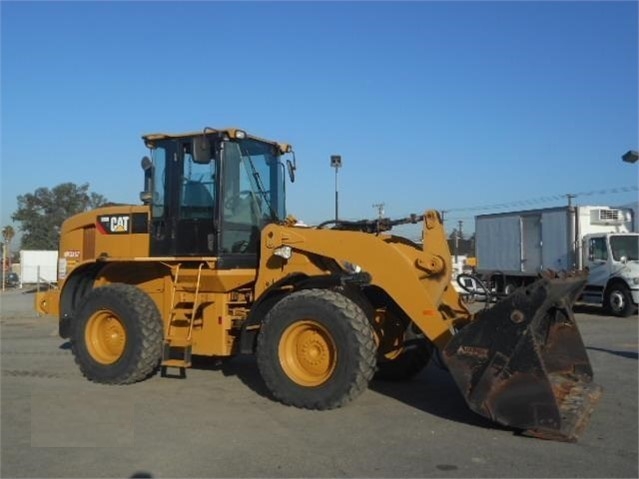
523, 364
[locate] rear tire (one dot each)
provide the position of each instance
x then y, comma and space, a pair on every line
618, 301
316, 350
117, 335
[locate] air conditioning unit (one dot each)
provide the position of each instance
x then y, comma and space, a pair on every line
607, 217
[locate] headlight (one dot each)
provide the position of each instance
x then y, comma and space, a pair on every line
351, 268
283, 252
635, 280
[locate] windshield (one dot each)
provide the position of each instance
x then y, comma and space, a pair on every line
252, 193
627, 246
259, 175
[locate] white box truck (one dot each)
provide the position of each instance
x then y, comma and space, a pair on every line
38, 266
513, 248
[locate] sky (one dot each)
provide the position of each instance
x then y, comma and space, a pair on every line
456, 106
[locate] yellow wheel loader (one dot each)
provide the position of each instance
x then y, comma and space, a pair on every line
211, 265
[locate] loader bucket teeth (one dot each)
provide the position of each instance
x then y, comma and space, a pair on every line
523, 363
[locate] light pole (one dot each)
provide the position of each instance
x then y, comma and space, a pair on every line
380, 210
4, 255
336, 162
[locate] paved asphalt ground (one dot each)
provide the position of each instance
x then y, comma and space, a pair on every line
219, 422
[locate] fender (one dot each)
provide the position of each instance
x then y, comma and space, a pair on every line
75, 287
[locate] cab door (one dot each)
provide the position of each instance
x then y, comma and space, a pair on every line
195, 231
597, 260
240, 212
184, 207
162, 229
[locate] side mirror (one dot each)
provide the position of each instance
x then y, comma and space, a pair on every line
146, 163
291, 170
146, 196
201, 150
291, 166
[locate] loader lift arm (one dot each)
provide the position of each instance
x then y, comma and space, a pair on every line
521, 363
417, 279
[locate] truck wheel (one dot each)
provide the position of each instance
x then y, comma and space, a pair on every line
316, 350
618, 301
117, 335
414, 357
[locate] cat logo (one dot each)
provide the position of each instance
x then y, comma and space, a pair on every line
113, 224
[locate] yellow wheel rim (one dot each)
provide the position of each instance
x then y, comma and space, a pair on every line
105, 337
307, 353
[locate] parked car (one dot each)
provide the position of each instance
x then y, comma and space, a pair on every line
11, 280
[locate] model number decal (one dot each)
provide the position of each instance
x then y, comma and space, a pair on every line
114, 224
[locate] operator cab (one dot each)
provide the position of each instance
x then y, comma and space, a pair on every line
210, 194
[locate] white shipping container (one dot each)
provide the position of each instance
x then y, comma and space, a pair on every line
38, 266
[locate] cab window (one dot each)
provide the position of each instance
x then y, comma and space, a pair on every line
598, 249
197, 196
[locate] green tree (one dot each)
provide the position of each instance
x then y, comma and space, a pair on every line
42, 212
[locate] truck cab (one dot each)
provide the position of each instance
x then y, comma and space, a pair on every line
612, 260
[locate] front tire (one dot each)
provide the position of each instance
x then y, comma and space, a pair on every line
316, 350
618, 301
117, 335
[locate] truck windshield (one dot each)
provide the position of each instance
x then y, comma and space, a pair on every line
627, 246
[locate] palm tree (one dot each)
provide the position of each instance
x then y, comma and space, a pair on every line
7, 235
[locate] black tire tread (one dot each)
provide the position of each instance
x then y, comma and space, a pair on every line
629, 309
145, 360
362, 344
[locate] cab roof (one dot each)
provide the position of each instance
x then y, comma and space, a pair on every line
231, 132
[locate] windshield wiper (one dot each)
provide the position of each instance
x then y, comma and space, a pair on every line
258, 182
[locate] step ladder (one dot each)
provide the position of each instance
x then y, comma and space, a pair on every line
178, 334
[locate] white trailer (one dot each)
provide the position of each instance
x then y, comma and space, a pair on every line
38, 266
513, 248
